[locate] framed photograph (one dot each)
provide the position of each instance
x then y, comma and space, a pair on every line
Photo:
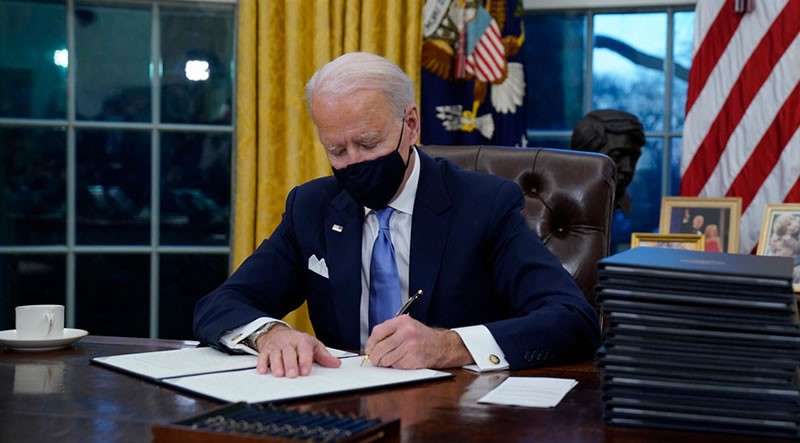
780, 235
715, 218
695, 242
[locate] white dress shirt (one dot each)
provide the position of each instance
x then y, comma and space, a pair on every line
479, 341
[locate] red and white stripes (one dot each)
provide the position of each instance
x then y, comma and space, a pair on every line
487, 59
741, 135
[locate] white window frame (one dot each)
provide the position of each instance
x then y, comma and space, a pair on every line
590, 8
70, 250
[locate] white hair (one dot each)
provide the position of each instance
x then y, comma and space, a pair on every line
361, 70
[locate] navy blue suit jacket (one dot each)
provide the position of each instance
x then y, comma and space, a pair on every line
472, 254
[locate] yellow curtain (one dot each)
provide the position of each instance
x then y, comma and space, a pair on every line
281, 43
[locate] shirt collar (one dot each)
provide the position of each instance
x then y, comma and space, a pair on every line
405, 201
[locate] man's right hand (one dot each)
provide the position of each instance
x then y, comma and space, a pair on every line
289, 352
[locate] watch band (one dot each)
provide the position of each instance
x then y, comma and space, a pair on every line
251, 339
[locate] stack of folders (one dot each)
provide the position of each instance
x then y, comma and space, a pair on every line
700, 341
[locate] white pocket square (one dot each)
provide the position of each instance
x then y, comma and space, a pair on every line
317, 266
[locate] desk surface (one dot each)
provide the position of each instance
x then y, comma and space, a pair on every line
59, 396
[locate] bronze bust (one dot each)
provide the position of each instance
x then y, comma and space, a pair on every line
617, 134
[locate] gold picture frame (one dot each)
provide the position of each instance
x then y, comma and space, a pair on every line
716, 218
694, 242
780, 235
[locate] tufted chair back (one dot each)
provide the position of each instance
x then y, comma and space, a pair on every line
569, 198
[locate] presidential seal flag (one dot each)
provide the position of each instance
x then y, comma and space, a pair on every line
473, 77
741, 136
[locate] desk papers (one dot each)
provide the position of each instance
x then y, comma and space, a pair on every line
179, 362
534, 392
252, 387
182, 362
233, 378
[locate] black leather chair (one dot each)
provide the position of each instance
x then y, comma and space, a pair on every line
569, 198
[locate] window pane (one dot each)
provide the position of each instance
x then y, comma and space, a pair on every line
113, 187
179, 292
683, 35
113, 294
548, 142
113, 69
29, 279
676, 144
32, 186
554, 93
33, 59
645, 192
628, 65
197, 55
195, 188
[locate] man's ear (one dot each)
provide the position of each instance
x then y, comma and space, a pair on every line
413, 122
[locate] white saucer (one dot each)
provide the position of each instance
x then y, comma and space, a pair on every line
9, 339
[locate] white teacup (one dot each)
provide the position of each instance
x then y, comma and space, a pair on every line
37, 322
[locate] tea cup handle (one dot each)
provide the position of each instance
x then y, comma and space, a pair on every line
49, 317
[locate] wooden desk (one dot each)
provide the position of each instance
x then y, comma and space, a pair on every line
58, 396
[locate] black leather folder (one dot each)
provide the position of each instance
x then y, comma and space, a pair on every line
700, 265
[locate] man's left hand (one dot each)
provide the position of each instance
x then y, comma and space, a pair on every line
405, 343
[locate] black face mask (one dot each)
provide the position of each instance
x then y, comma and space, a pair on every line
373, 183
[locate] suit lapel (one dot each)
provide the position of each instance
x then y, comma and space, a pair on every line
344, 265
429, 228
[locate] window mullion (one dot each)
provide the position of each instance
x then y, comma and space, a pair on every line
71, 176
155, 168
668, 77
587, 99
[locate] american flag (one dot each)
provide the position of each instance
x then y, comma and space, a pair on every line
488, 58
741, 136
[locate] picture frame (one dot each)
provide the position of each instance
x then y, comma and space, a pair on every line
717, 219
694, 242
780, 235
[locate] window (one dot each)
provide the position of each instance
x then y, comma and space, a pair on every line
116, 135
625, 69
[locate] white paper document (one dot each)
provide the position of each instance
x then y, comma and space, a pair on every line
535, 392
252, 387
178, 362
233, 377
338, 353
188, 361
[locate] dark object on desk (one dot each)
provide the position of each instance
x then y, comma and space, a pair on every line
700, 341
568, 198
242, 422
702, 266
734, 284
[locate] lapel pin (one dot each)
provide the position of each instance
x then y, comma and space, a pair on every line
336, 228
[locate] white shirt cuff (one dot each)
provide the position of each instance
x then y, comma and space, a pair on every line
235, 338
483, 348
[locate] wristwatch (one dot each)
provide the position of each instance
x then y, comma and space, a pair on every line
251, 339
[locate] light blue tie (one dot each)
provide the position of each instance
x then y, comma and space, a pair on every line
384, 284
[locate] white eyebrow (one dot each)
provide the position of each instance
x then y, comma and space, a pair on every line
369, 138
363, 139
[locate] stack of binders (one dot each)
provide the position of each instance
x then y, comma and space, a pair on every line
700, 341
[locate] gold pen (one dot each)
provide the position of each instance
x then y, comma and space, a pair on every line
403, 310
